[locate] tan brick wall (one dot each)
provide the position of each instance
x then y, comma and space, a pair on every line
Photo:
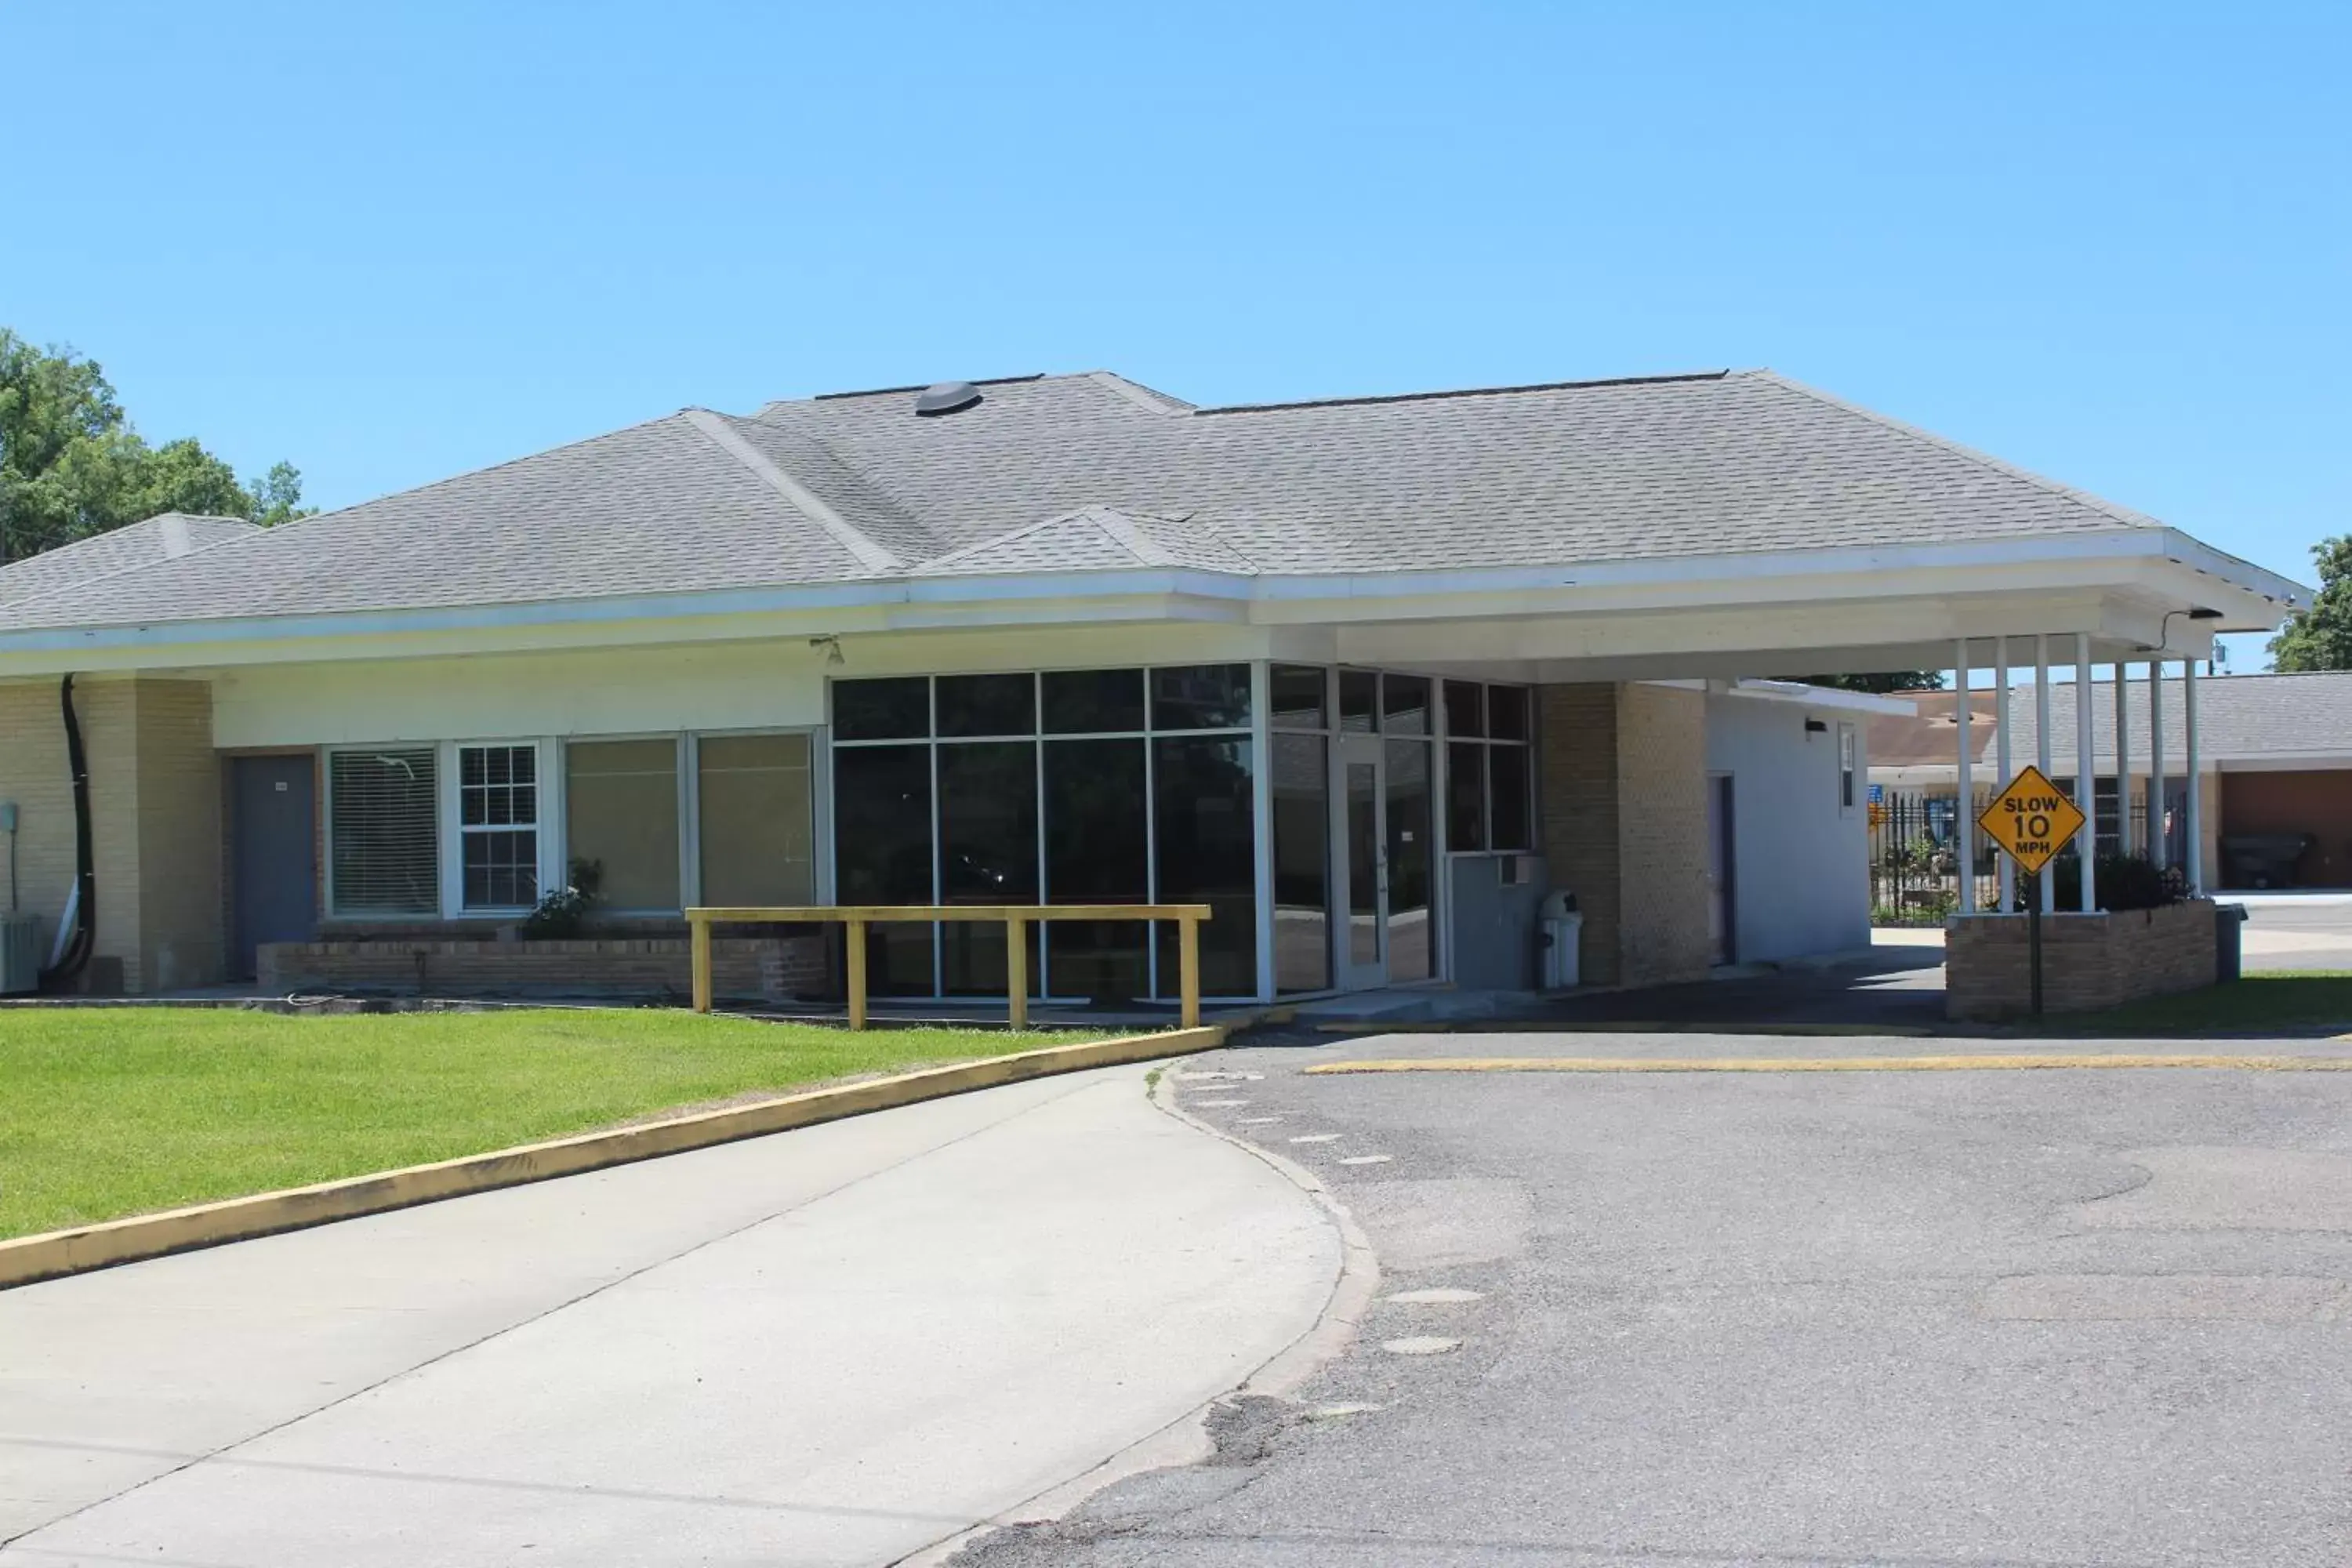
154, 821
773, 969
1625, 824
1578, 728
181, 939
2088, 961
1662, 834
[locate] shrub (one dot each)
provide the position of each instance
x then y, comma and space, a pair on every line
564, 913
2120, 881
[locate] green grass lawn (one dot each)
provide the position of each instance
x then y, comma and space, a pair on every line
113, 1111
2287, 1001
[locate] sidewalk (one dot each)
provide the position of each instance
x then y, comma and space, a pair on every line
834, 1345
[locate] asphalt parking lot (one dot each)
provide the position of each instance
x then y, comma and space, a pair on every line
1927, 1318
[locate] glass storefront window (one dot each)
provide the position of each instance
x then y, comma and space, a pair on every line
988, 854
1466, 796
1201, 697
882, 854
1466, 709
1098, 851
1207, 851
1302, 870
1296, 692
621, 815
899, 708
1404, 704
1359, 701
1093, 701
987, 704
755, 797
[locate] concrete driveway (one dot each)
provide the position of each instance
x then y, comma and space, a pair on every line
831, 1346
2296, 930
1990, 1319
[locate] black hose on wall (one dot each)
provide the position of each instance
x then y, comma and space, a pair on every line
70, 965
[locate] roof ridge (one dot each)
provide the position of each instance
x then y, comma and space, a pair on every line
2065, 492
723, 434
1135, 392
1120, 526
1469, 392
1091, 512
74, 585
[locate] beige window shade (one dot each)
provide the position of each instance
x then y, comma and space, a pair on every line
758, 820
621, 805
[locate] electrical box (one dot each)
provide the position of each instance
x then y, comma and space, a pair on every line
20, 955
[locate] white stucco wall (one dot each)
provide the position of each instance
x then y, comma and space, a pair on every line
1802, 859
773, 684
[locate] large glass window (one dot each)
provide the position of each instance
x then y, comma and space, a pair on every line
1490, 774
1207, 851
1093, 701
897, 710
988, 854
497, 825
621, 817
882, 854
988, 705
1098, 851
757, 807
1025, 811
1201, 697
1302, 870
383, 841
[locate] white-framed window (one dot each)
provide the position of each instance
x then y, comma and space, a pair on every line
622, 813
497, 825
1849, 749
382, 833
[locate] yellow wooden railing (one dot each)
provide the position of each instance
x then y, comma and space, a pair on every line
1014, 917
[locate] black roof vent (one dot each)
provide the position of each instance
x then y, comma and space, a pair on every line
947, 397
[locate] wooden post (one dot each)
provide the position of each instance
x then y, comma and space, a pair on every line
1016, 969
857, 974
1188, 963
700, 932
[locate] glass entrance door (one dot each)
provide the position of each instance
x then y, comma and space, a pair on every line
1381, 820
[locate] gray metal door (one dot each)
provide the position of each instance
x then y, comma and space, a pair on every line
274, 826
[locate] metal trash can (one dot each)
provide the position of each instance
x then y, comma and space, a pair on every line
1563, 936
2228, 942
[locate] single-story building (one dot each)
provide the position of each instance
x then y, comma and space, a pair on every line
2274, 766
1366, 676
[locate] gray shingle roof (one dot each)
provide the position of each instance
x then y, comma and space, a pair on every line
846, 488
160, 538
2239, 717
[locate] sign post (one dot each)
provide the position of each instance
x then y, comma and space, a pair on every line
2032, 819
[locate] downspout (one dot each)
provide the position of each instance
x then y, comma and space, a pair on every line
70, 965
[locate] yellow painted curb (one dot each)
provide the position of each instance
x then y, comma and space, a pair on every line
1829, 1063
46, 1257
1590, 1027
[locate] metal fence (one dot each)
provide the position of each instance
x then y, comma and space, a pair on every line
1915, 874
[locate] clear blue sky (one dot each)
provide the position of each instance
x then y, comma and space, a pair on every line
391, 243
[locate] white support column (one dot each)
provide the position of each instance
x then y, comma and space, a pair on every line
1964, 819
2157, 846
2005, 766
2125, 842
2086, 778
2046, 891
2195, 858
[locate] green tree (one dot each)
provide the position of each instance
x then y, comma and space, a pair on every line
71, 465
1891, 680
2321, 636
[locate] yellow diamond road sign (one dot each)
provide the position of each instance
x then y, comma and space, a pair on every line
2031, 818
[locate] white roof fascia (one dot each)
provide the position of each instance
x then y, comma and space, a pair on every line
1987, 566
1805, 696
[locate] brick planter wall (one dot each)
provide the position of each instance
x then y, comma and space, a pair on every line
772, 969
2088, 961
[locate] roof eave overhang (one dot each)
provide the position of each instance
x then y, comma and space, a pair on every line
2162, 567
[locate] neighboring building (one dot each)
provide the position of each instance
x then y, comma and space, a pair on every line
1368, 677
2275, 766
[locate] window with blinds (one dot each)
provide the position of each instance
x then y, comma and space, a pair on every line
381, 848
